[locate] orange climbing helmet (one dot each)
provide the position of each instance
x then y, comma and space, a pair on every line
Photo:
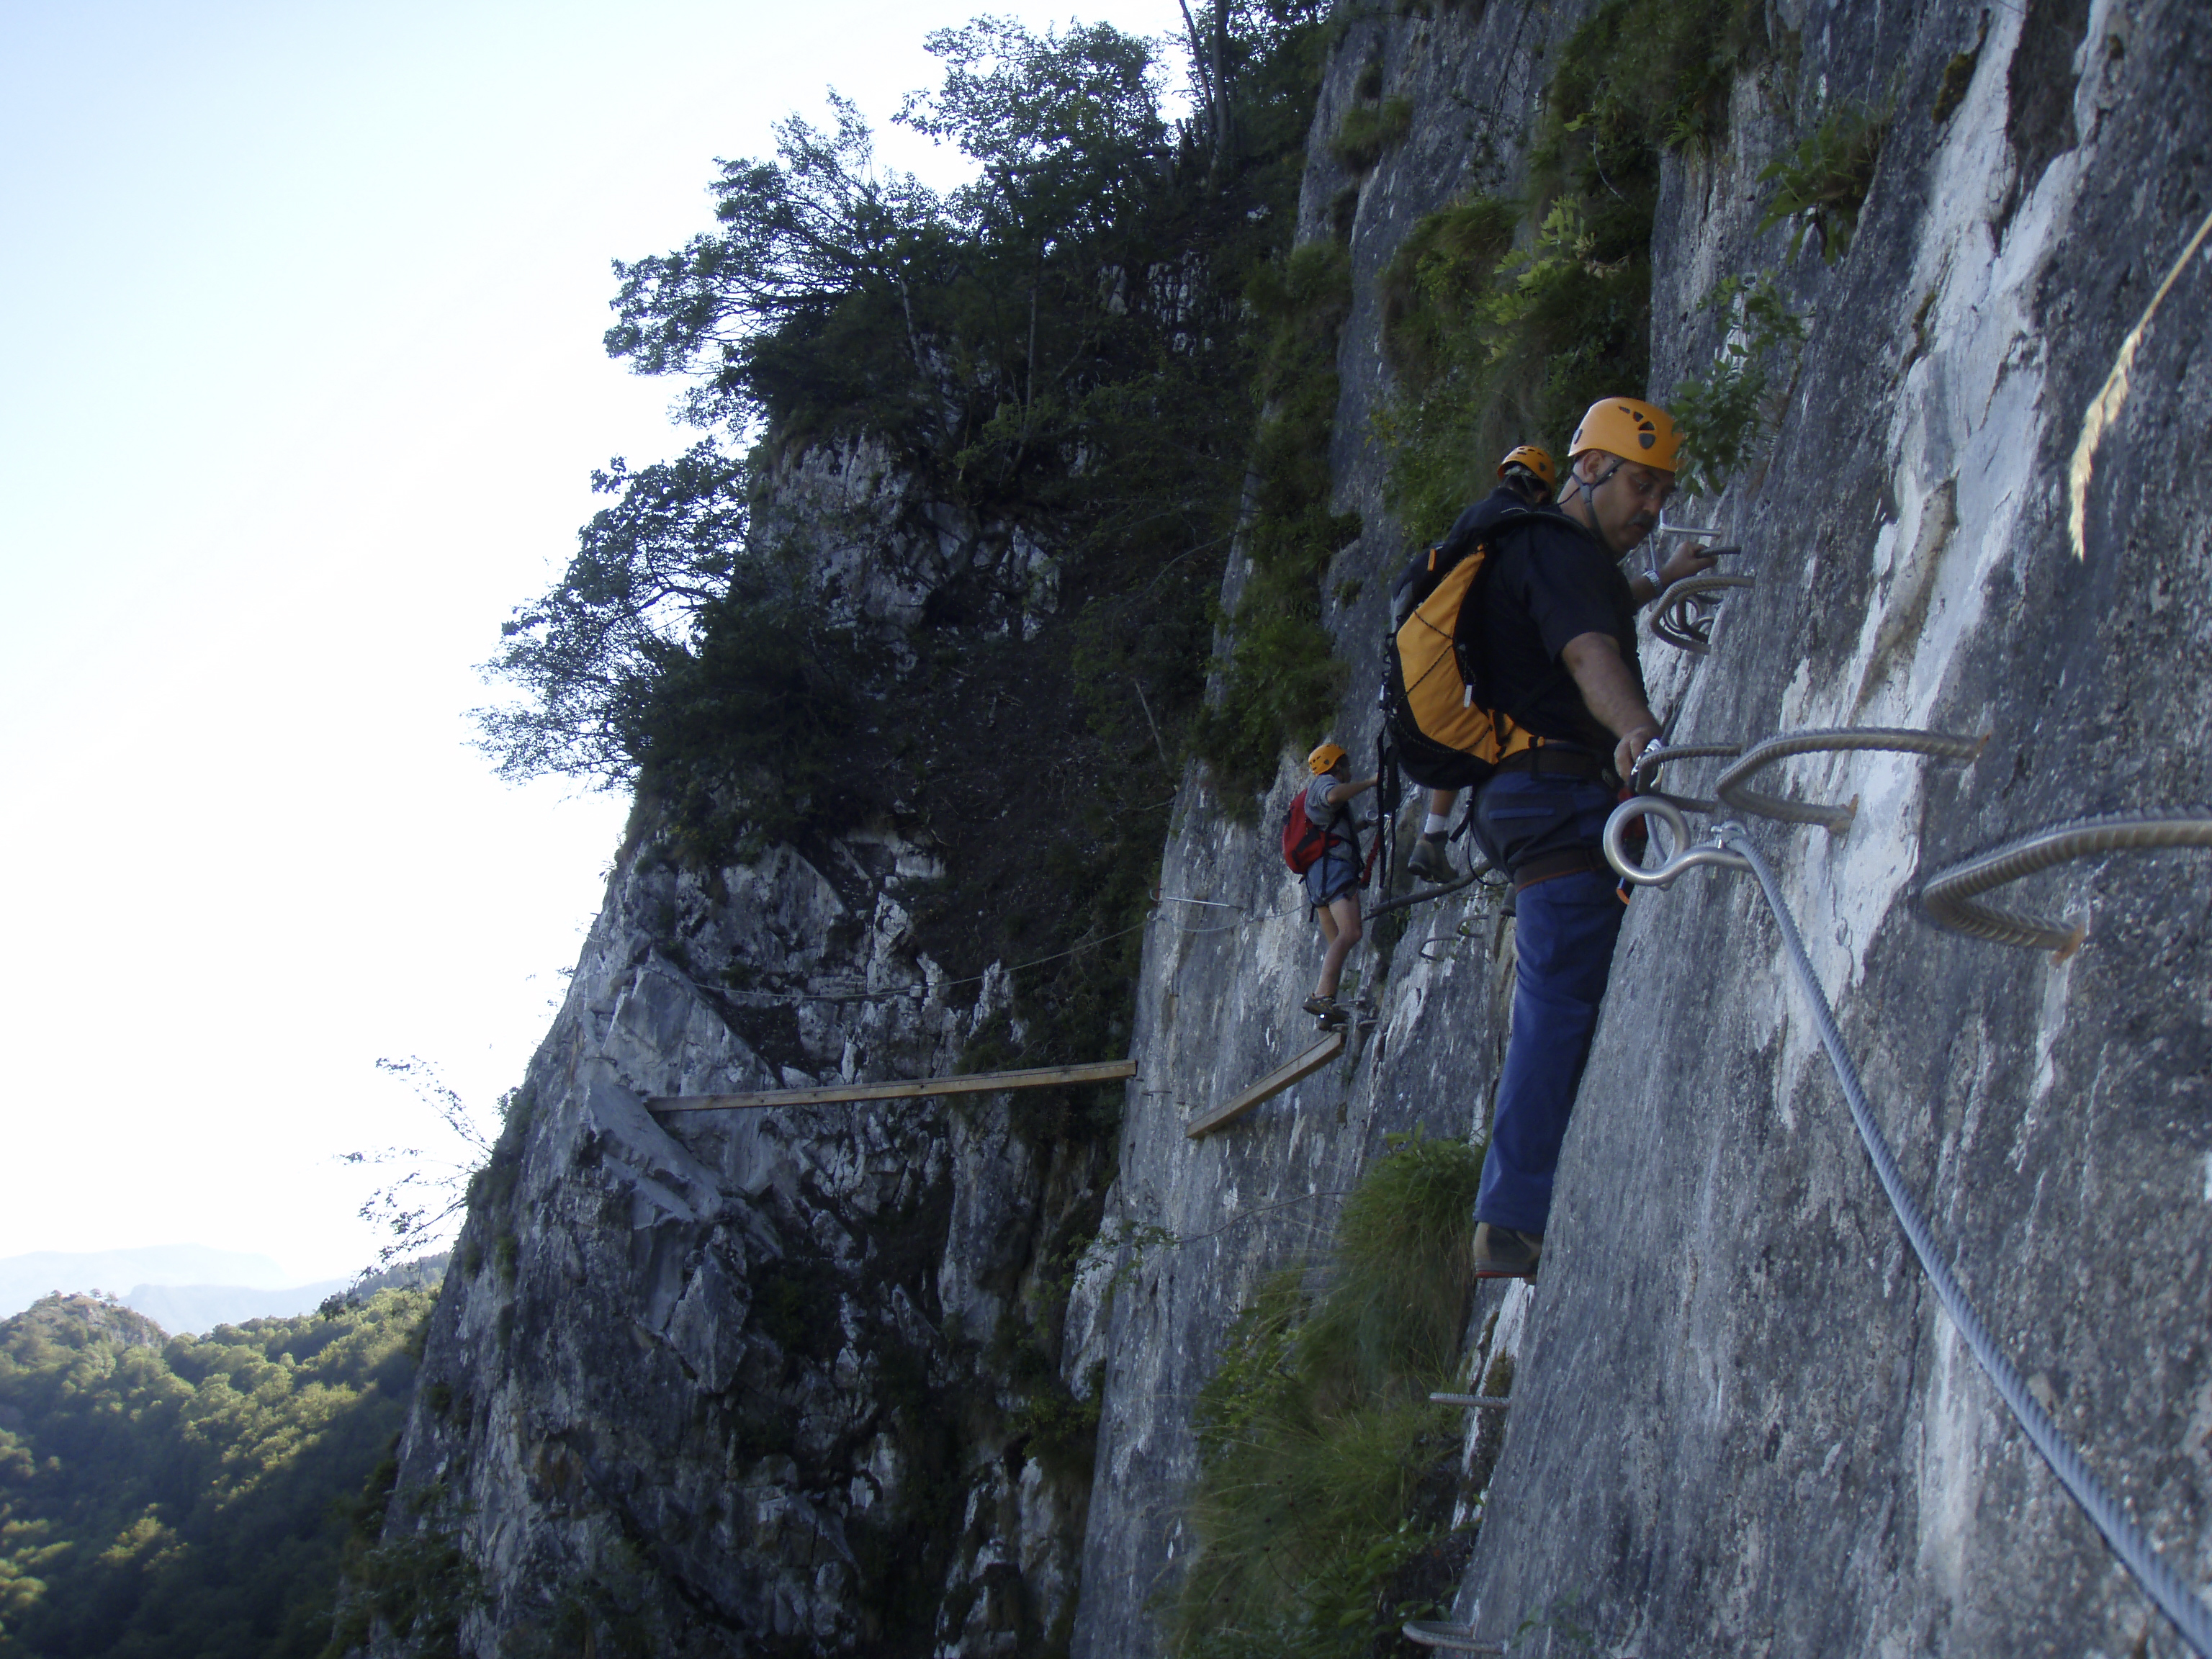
1536, 460
1324, 759
1630, 428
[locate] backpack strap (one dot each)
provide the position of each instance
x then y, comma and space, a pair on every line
1516, 517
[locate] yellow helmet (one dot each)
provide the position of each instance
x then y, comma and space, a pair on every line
1630, 428
1535, 460
1324, 759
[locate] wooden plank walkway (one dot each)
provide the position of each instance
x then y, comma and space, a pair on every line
978, 1082
1270, 1085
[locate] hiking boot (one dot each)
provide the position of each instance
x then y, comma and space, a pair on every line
1326, 1010
1432, 860
1503, 1253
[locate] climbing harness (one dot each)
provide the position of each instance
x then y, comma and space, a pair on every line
1734, 791
1729, 846
1949, 894
1686, 610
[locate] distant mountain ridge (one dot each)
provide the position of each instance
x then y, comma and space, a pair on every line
192, 1288
179, 1309
25, 1279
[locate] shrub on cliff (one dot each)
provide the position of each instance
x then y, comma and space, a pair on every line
1505, 319
1316, 1437
1046, 385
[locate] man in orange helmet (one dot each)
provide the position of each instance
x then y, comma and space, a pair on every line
1559, 640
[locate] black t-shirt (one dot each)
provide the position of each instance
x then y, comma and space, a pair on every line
1552, 582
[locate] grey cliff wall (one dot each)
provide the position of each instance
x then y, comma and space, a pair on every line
747, 1374
1745, 1427
756, 1372
1742, 1426
1218, 1003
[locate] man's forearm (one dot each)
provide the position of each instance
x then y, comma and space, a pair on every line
1608, 690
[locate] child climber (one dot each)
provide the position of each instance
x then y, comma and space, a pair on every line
1332, 880
1525, 478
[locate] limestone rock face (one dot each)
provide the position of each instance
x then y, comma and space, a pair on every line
745, 1375
751, 1373
1741, 1426
1737, 1378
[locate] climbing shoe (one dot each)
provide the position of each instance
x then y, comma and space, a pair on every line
1326, 1010
1431, 860
1503, 1253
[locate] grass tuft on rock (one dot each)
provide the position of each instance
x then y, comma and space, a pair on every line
1318, 1443
1504, 319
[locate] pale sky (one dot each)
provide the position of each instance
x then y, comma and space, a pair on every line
302, 392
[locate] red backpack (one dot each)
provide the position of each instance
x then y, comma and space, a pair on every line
1305, 840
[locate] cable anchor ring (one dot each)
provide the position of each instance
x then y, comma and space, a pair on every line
1709, 852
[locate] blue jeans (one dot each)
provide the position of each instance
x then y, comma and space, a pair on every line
1563, 943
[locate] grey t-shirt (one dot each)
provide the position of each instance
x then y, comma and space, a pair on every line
1335, 819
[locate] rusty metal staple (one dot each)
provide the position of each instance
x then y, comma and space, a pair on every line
1683, 619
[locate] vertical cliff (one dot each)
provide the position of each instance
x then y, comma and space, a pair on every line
1734, 1376
1740, 1424
786, 1378
825, 1382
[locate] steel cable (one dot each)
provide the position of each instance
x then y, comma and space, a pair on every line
1948, 896
2190, 1614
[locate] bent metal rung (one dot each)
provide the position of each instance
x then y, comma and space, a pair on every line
1948, 896
1734, 785
1452, 1639
977, 1082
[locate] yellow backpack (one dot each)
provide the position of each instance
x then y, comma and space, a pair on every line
1436, 706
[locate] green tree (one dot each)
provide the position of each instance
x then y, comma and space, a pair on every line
185, 1498
1043, 388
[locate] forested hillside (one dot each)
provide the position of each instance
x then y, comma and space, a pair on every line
190, 1498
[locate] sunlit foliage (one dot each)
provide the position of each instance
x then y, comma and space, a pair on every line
185, 1498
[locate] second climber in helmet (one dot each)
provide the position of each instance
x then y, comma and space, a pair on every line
1525, 479
1558, 641
1333, 881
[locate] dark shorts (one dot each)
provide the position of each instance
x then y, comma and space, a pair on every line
1331, 877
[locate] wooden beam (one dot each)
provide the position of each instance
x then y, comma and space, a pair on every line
977, 1082
1270, 1085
